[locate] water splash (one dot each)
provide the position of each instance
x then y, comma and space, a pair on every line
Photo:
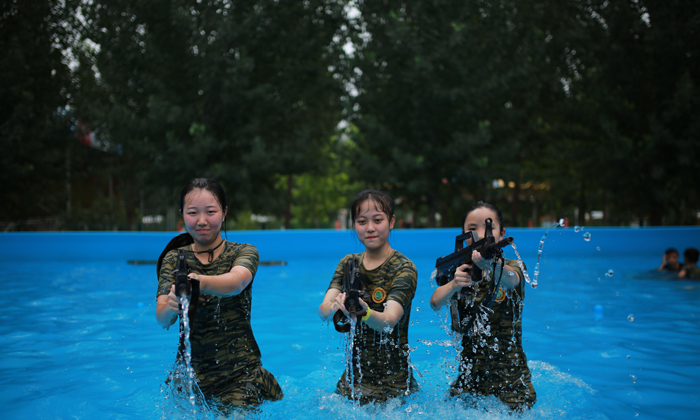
609, 273
587, 236
185, 303
522, 267
539, 251
630, 317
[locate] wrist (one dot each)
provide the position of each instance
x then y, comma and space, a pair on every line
365, 316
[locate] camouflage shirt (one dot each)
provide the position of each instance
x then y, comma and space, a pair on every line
692, 271
224, 350
383, 369
492, 360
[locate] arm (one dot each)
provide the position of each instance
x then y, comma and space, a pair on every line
228, 284
331, 303
379, 321
443, 294
663, 263
682, 274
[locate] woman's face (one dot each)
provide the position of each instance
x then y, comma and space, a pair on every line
203, 216
476, 222
372, 226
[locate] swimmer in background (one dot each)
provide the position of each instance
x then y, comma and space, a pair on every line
379, 365
225, 355
495, 363
690, 269
670, 261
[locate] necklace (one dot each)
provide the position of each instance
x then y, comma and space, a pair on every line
210, 251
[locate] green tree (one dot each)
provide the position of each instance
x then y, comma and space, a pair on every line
35, 129
454, 94
240, 91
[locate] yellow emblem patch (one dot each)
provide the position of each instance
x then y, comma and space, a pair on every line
501, 296
378, 295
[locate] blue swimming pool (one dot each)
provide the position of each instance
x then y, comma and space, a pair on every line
78, 339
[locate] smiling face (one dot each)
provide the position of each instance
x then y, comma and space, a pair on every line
475, 221
373, 226
203, 216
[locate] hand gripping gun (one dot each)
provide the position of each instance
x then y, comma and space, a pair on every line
352, 289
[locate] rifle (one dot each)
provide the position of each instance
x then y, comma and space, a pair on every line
487, 247
446, 267
185, 286
351, 288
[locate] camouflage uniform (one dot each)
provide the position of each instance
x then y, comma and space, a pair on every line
383, 369
692, 271
495, 363
225, 355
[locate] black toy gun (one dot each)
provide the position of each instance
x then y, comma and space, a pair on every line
487, 247
182, 282
351, 288
185, 286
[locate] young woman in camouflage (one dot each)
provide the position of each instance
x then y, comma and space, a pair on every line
225, 355
494, 363
380, 364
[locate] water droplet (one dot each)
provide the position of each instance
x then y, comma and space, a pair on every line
561, 222
597, 248
634, 378
630, 317
628, 356
427, 352
587, 236
577, 228
609, 273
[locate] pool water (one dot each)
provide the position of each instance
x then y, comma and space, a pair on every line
79, 340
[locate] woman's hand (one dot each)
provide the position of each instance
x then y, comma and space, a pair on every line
462, 277
339, 304
173, 304
168, 308
480, 261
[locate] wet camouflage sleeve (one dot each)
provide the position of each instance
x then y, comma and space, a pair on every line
166, 278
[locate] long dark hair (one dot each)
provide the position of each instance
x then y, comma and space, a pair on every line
489, 206
383, 201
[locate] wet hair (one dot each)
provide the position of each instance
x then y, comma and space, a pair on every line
671, 251
383, 201
208, 184
482, 204
691, 255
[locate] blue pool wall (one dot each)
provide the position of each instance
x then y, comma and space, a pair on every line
281, 245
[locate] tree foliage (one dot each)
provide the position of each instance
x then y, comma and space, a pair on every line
542, 107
